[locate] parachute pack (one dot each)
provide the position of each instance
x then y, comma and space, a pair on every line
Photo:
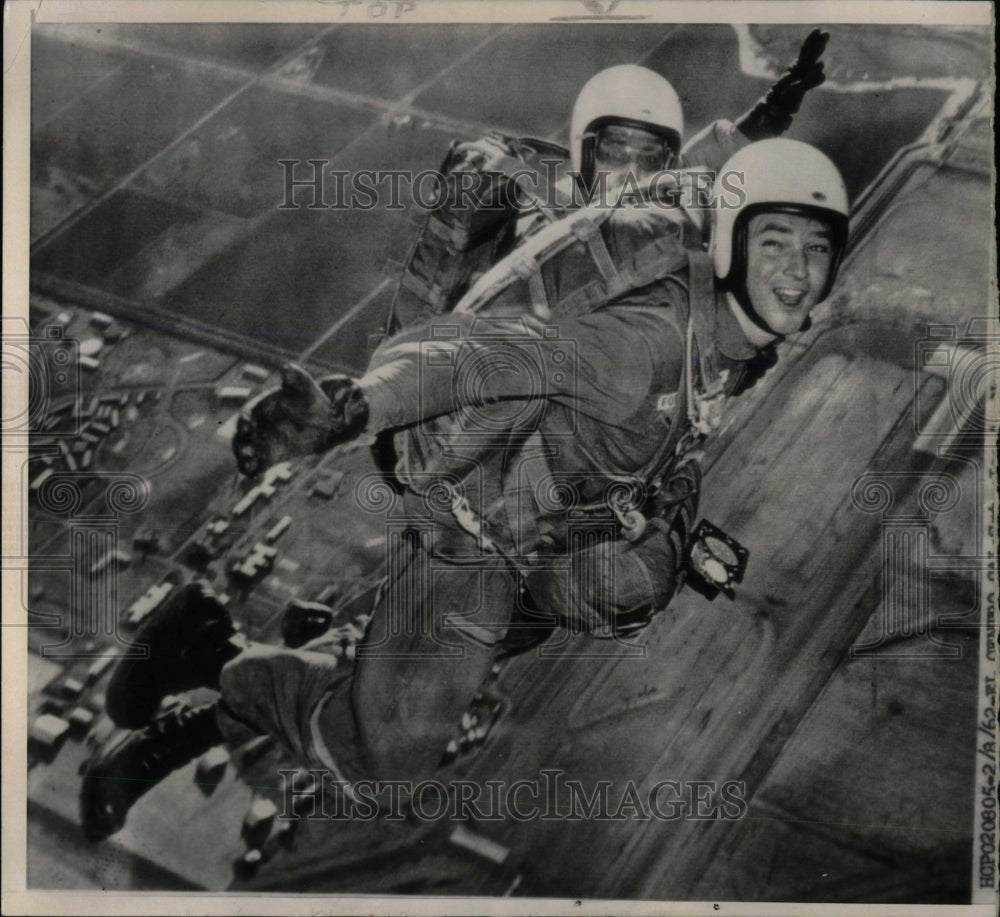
574, 258
579, 260
472, 226
597, 255
576, 263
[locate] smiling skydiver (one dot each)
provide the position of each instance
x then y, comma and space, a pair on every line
635, 393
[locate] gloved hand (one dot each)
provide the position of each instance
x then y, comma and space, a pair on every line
299, 418
772, 116
483, 155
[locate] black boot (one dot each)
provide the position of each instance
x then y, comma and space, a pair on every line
529, 627
131, 764
190, 638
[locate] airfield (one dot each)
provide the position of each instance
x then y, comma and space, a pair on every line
844, 699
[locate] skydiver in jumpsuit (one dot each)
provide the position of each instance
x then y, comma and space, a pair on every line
428, 647
627, 120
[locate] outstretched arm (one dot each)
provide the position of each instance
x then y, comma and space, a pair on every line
602, 363
301, 417
772, 115
769, 117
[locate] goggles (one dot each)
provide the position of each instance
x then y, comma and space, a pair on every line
616, 145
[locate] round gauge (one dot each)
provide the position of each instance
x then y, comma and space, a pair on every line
716, 571
722, 552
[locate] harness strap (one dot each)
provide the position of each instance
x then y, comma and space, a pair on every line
701, 292
589, 233
704, 407
699, 304
654, 261
541, 247
528, 268
699, 337
519, 487
527, 178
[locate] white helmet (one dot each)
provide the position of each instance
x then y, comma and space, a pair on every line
776, 175
626, 94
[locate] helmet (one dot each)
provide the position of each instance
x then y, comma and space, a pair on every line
778, 175
629, 95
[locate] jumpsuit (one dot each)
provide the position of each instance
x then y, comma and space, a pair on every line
523, 419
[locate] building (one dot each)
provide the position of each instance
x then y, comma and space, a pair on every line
67, 456
327, 485
46, 735
114, 333
255, 373
280, 473
91, 347
278, 529
248, 500
147, 603
146, 540
36, 484
98, 667
80, 720
228, 394
217, 528
259, 562
116, 555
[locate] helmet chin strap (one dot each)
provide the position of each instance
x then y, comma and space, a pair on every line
742, 301
744, 304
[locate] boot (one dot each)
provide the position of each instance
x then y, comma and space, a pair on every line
529, 627
129, 765
190, 638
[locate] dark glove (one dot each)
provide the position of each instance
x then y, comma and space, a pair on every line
301, 417
304, 621
772, 115
483, 155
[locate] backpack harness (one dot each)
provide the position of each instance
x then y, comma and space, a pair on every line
613, 272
